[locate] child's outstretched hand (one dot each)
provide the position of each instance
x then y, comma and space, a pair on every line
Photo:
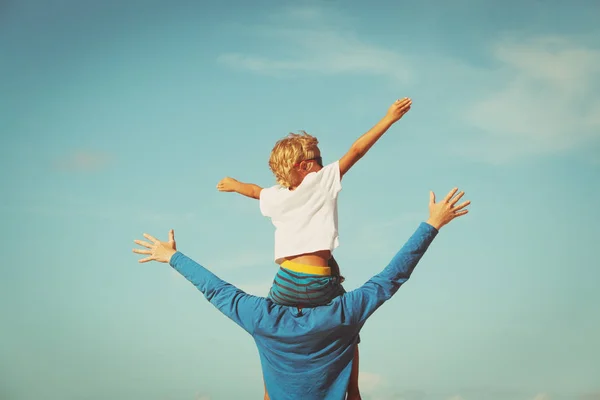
399, 108
227, 185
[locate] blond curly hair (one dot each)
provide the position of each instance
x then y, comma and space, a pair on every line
289, 151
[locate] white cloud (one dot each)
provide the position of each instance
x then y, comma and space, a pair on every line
546, 100
540, 97
84, 161
313, 45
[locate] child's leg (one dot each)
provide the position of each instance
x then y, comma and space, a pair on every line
266, 397
353, 392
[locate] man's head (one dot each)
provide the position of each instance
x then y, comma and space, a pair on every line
294, 157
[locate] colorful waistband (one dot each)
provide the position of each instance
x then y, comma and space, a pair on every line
306, 269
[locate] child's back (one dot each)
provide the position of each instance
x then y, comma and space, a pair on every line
306, 218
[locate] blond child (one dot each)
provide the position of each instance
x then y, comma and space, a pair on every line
303, 209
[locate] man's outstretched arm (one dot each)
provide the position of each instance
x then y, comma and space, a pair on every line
363, 301
244, 309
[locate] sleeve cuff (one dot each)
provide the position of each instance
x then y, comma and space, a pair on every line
174, 258
427, 230
425, 225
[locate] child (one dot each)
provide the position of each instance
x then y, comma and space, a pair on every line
303, 209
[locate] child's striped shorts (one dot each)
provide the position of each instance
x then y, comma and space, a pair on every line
304, 285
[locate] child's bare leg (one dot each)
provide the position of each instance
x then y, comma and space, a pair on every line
353, 392
266, 393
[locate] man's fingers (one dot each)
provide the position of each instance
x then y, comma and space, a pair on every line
449, 195
431, 198
151, 238
171, 235
457, 198
143, 260
142, 243
462, 212
140, 251
463, 205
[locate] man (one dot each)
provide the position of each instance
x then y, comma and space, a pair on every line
307, 353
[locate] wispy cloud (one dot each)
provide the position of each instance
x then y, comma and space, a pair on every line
84, 161
308, 43
539, 97
541, 396
545, 99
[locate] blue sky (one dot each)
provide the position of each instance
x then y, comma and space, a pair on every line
119, 119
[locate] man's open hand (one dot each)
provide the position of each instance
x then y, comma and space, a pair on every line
446, 210
157, 250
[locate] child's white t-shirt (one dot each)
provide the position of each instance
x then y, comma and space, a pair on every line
306, 218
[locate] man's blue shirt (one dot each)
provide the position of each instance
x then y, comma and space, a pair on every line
307, 354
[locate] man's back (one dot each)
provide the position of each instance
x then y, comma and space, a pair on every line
311, 350
307, 354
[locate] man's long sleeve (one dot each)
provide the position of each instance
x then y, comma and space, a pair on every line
244, 309
363, 301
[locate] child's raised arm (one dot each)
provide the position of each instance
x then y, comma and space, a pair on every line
366, 141
247, 189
